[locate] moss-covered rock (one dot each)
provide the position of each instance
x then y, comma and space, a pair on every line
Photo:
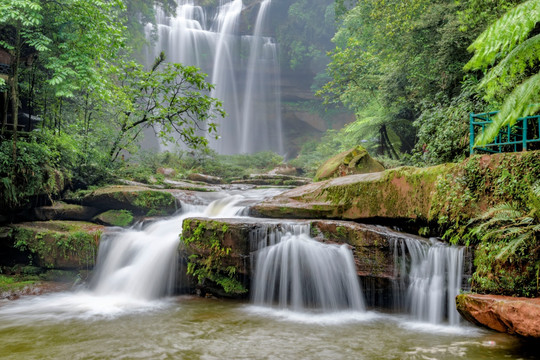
121, 218
62, 211
138, 199
58, 244
216, 255
352, 161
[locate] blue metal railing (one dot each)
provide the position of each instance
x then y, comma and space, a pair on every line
510, 138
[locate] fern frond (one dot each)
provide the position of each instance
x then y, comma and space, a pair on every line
513, 246
516, 105
516, 62
503, 35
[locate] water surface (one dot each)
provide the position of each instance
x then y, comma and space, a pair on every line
76, 326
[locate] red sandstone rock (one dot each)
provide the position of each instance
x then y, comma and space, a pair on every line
513, 315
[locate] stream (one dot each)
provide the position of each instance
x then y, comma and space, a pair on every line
128, 310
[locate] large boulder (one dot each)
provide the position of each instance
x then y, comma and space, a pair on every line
58, 244
208, 179
398, 194
140, 200
516, 316
352, 161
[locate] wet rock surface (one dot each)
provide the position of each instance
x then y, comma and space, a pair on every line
512, 315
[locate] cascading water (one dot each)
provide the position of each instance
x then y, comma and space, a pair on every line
243, 68
430, 277
299, 273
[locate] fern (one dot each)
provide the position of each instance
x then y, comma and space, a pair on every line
506, 42
514, 64
503, 35
515, 106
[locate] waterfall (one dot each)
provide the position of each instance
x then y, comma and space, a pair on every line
296, 272
141, 263
243, 67
429, 279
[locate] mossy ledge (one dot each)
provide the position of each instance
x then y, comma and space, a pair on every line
435, 199
139, 200
58, 244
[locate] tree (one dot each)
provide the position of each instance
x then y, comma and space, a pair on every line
73, 41
171, 98
513, 44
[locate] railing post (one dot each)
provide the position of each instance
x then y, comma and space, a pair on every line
525, 134
471, 134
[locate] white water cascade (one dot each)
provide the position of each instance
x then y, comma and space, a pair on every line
430, 279
298, 273
244, 69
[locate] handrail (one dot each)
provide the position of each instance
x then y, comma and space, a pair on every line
517, 137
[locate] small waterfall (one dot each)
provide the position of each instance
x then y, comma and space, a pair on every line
296, 272
429, 279
141, 263
244, 69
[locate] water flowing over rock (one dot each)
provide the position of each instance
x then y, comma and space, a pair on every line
300, 273
404, 272
428, 278
243, 67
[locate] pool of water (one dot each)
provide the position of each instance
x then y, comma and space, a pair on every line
82, 326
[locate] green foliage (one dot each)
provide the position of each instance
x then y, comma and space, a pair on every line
508, 258
512, 43
172, 98
404, 62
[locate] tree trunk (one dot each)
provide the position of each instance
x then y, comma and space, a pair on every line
15, 88
4, 102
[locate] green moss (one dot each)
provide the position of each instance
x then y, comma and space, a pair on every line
121, 218
208, 263
14, 283
49, 248
352, 161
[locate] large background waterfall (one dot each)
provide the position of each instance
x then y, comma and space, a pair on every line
243, 67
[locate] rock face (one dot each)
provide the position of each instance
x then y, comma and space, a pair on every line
372, 245
516, 316
352, 161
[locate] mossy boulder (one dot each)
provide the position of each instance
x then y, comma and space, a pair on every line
58, 244
138, 199
62, 211
121, 218
352, 161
